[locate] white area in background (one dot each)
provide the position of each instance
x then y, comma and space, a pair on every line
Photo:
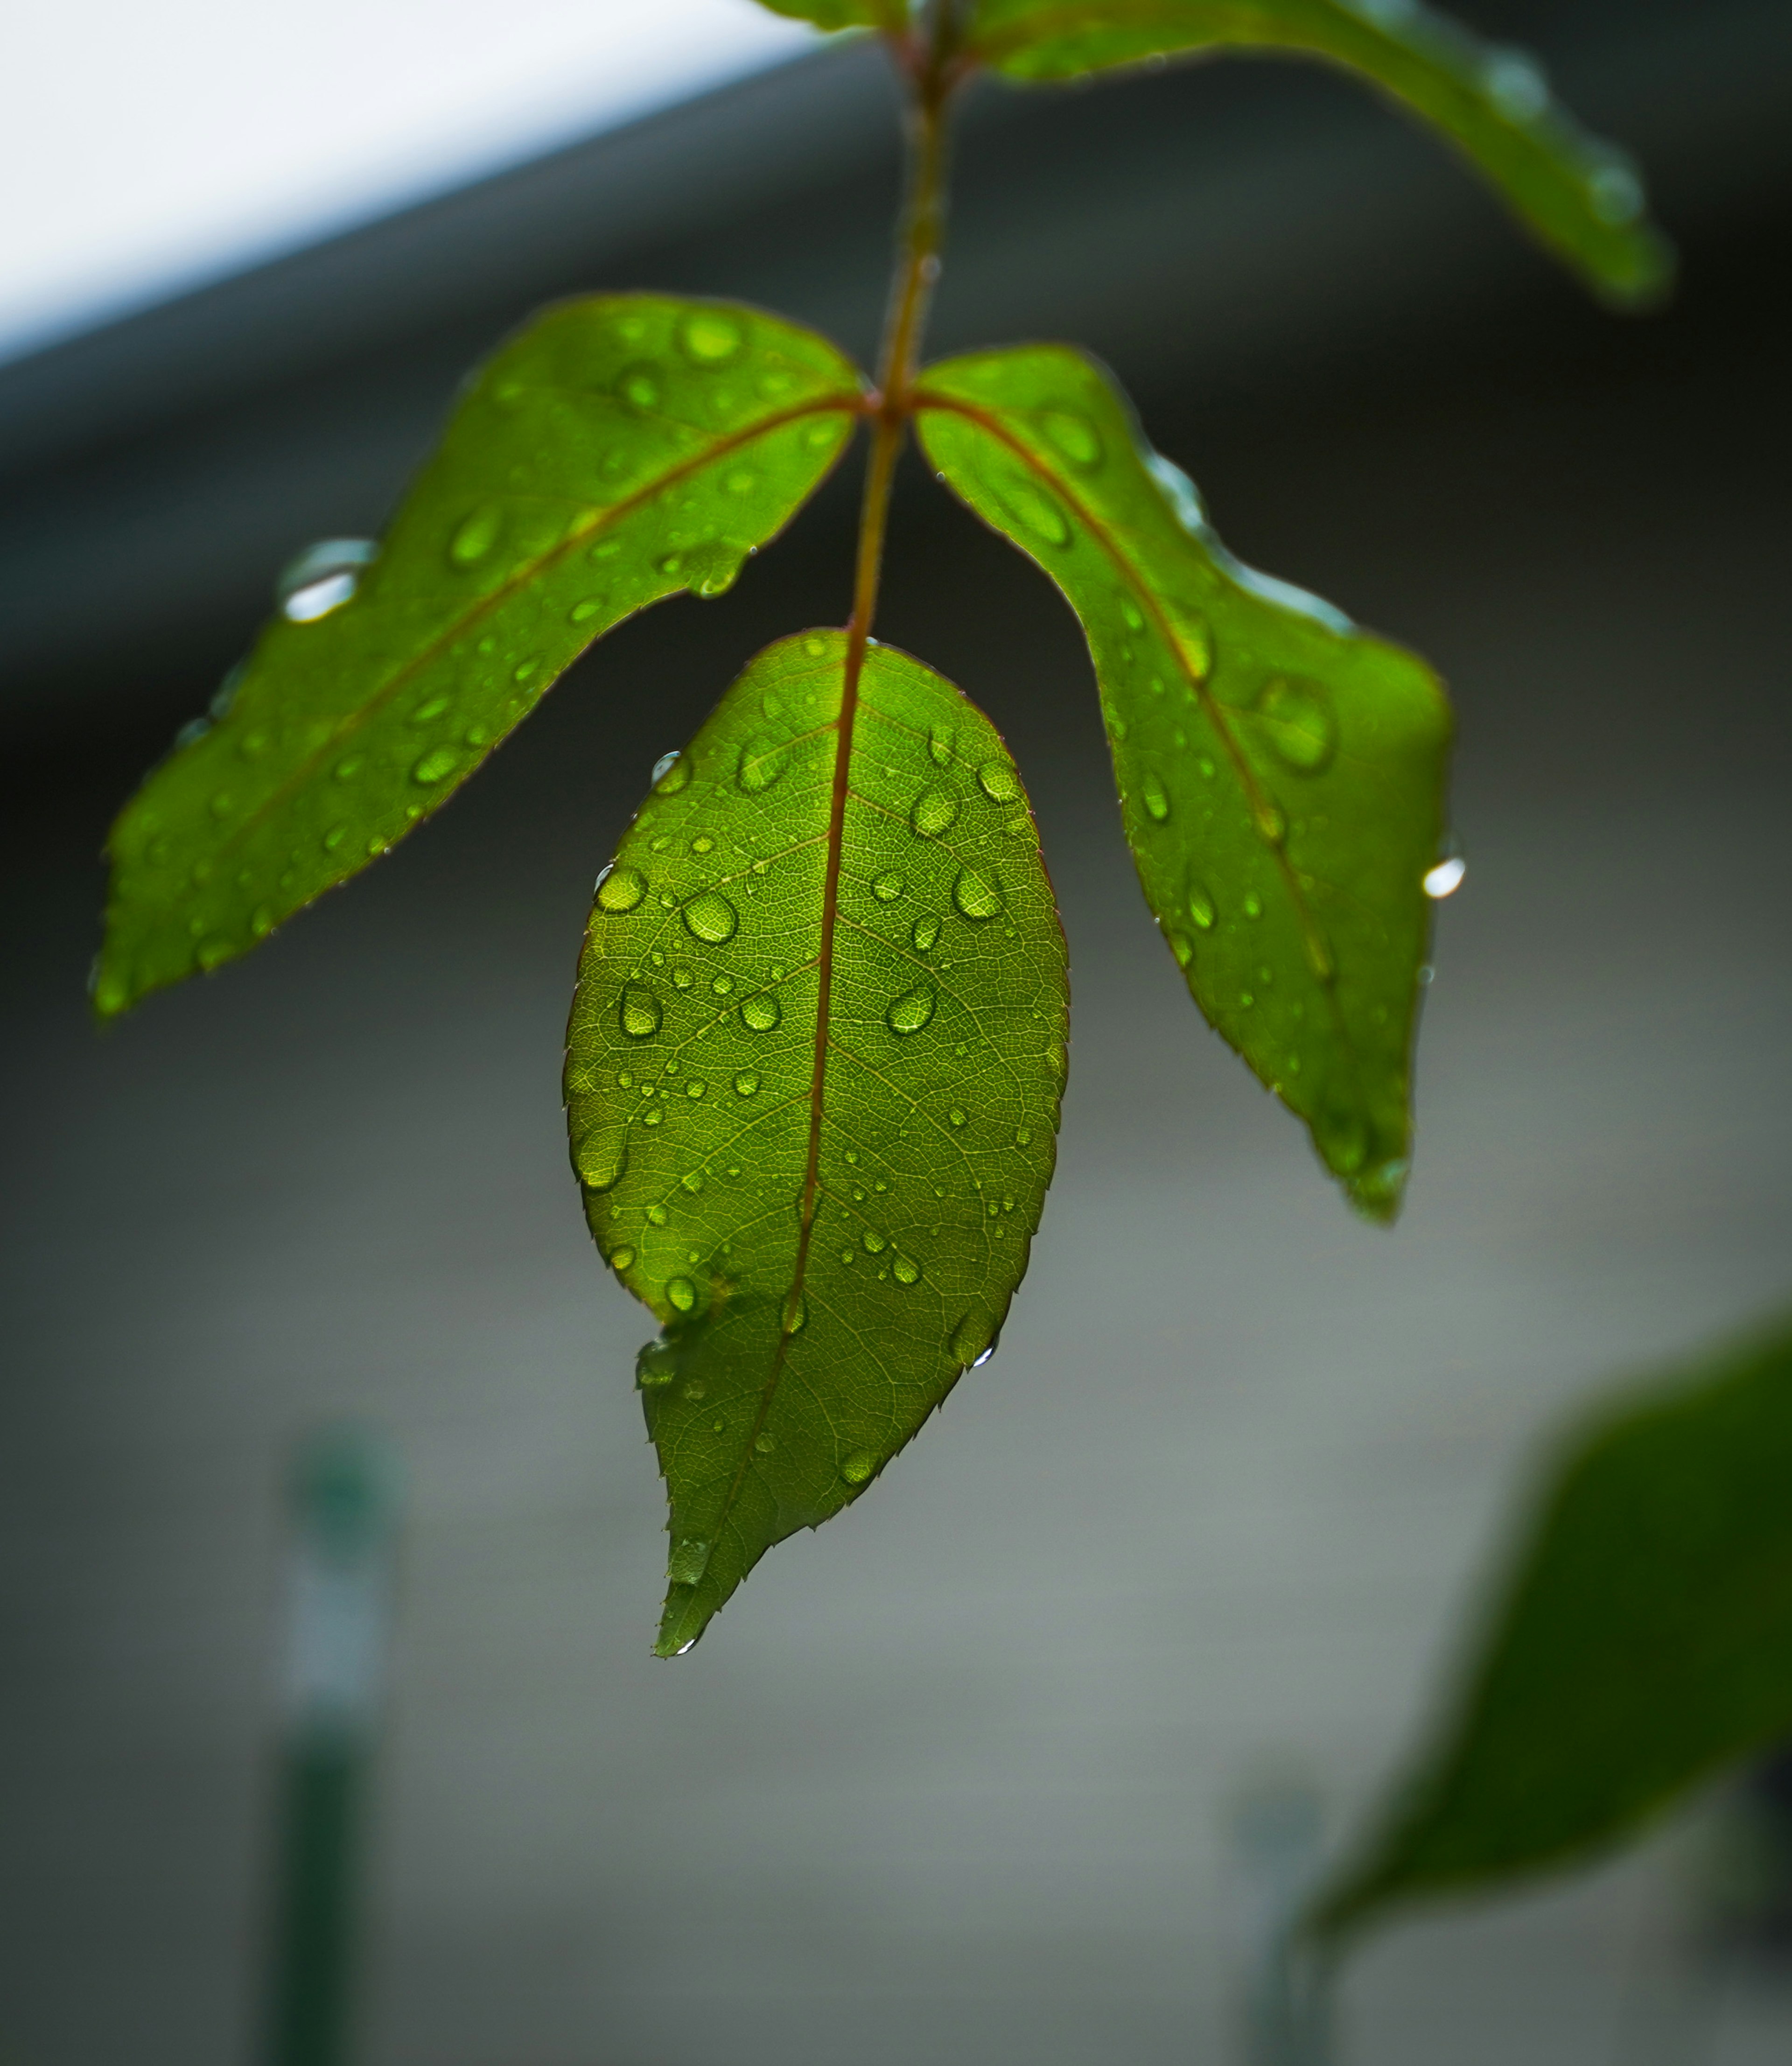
148, 149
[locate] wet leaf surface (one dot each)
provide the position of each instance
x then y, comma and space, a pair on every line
1281, 773
812, 1078
617, 451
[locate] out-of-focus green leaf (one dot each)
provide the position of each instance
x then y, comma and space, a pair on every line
1581, 196
1281, 774
1641, 1642
616, 451
832, 14
812, 1088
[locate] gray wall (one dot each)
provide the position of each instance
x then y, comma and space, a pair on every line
952, 1780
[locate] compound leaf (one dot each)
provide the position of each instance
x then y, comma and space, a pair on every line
812, 1088
1281, 774
1582, 197
616, 451
1641, 1642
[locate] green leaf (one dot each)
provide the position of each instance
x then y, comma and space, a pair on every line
1281, 774
1581, 196
812, 1088
832, 14
1641, 1642
616, 451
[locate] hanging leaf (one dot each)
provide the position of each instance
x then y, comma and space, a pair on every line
1281, 774
617, 451
1641, 1642
832, 14
812, 1088
1582, 197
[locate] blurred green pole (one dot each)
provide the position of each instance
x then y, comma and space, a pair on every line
344, 1506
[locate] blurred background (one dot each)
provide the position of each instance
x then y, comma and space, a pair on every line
973, 1776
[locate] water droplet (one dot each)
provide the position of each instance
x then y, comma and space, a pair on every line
1615, 194
1298, 724
905, 1270
639, 1011
957, 1116
696, 1087
872, 1242
909, 1012
761, 1012
924, 933
637, 388
1129, 615
689, 1560
1515, 84
1199, 904
973, 1338
435, 765
621, 1258
1074, 436
710, 339
796, 1313
1034, 510
524, 669
1182, 947
658, 1215
746, 1084
335, 837
1342, 1139
710, 918
681, 1292
763, 762
213, 953
620, 890
1253, 905
999, 781
887, 887
657, 1362
683, 978
582, 612
692, 1180
976, 896
601, 1156
476, 535
934, 812
671, 773
320, 579
1270, 822
857, 1467
1155, 796
764, 1443
1445, 879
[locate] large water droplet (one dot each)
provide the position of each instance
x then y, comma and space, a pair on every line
1200, 905
972, 1337
681, 1292
712, 569
934, 812
999, 781
909, 1012
887, 887
710, 917
905, 1270
435, 765
1074, 436
1154, 795
657, 1364
476, 535
688, 1562
601, 1156
1298, 724
1445, 879
857, 1468
976, 896
620, 890
322, 577
1035, 511
763, 762
671, 773
710, 339
639, 1011
761, 1012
